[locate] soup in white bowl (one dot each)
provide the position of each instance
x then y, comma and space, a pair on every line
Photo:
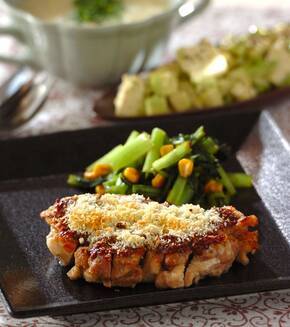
89, 53
131, 11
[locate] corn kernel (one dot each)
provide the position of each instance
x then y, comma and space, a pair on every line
158, 181
166, 149
213, 186
98, 171
102, 169
100, 189
185, 167
132, 175
90, 175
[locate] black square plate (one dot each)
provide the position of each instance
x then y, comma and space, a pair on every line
33, 173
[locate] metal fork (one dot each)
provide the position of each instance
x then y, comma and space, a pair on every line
22, 96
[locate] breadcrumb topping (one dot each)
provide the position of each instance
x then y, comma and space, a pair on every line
135, 221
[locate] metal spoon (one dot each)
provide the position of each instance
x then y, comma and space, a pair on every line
22, 96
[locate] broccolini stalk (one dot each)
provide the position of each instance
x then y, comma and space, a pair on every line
138, 164
197, 135
111, 180
117, 189
175, 194
119, 180
218, 199
194, 137
132, 151
186, 195
240, 180
158, 137
172, 157
210, 146
132, 136
122, 155
146, 190
226, 181
78, 181
107, 158
142, 151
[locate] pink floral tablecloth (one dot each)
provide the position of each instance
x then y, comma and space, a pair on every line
263, 309
69, 108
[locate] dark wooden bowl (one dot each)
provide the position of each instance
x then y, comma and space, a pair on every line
104, 106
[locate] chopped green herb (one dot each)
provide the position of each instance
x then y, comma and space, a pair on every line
97, 10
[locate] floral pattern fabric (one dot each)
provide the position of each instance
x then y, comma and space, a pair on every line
264, 309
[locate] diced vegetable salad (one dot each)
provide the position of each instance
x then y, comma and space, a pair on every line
181, 169
207, 75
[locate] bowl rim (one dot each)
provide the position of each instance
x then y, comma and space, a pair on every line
94, 27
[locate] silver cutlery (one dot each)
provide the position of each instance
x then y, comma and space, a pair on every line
22, 96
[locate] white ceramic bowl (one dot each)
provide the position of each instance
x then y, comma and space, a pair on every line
94, 55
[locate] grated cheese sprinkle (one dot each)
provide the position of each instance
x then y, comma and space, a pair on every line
136, 222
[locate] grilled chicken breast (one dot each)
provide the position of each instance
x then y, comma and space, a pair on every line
122, 240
